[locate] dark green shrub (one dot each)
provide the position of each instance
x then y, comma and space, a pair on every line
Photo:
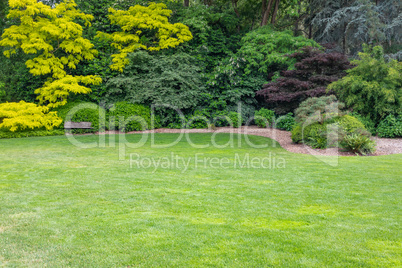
297, 133
173, 120
200, 119
225, 118
264, 117
177, 125
219, 118
4, 134
285, 122
235, 119
174, 80
2, 92
390, 127
314, 135
367, 122
358, 143
83, 112
126, 117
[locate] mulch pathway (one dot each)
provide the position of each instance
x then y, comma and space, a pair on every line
384, 146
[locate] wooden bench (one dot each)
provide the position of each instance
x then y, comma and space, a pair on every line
80, 125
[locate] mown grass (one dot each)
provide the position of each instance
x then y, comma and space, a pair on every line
65, 206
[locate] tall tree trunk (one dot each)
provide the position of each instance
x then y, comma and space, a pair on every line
344, 39
234, 4
186, 3
273, 19
296, 24
263, 8
266, 13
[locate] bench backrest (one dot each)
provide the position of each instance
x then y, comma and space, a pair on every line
70, 125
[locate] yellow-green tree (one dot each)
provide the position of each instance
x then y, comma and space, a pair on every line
24, 115
55, 39
145, 27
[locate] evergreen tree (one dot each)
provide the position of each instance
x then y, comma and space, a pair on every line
350, 23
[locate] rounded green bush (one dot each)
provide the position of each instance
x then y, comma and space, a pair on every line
83, 112
297, 133
225, 118
313, 135
200, 119
126, 117
349, 123
219, 118
264, 117
285, 122
236, 119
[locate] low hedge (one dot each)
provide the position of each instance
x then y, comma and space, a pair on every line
137, 117
4, 134
83, 112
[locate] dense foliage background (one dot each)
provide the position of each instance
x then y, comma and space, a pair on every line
271, 54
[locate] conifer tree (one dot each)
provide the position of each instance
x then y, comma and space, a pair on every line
349, 24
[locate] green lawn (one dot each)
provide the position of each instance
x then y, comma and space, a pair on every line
65, 206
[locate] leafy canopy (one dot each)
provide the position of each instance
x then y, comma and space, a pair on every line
145, 27
55, 39
314, 71
264, 49
160, 80
374, 87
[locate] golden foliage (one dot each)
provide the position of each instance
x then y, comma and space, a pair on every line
55, 92
22, 115
135, 24
53, 36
